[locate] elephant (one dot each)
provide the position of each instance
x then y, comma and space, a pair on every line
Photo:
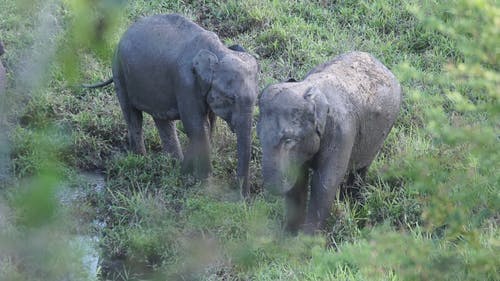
324, 131
2, 71
171, 68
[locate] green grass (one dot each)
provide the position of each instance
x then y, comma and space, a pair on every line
428, 210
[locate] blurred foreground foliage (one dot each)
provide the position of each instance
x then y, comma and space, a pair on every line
430, 207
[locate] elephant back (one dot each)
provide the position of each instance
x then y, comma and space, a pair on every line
369, 84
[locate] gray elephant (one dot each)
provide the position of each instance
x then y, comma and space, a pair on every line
171, 68
331, 126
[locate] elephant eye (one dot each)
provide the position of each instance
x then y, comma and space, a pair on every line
289, 143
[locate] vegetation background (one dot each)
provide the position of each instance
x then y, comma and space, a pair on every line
430, 208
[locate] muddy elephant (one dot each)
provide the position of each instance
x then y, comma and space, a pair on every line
171, 68
329, 127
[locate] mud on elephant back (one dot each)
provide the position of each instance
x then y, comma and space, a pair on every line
333, 122
171, 68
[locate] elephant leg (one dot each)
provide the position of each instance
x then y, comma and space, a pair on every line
295, 202
329, 170
133, 118
197, 156
135, 132
169, 139
321, 200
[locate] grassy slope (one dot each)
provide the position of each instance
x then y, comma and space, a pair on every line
430, 204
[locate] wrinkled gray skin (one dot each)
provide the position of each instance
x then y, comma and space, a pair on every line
2, 71
171, 68
332, 123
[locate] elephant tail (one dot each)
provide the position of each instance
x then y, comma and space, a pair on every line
98, 85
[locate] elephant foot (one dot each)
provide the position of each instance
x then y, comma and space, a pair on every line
139, 149
174, 155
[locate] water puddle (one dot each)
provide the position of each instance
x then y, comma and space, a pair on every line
87, 231
87, 245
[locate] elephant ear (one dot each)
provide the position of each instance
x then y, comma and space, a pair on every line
204, 64
321, 108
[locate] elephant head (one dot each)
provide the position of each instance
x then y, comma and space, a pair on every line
291, 122
230, 86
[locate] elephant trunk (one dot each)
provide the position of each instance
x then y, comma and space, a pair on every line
243, 128
271, 177
271, 173
274, 173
